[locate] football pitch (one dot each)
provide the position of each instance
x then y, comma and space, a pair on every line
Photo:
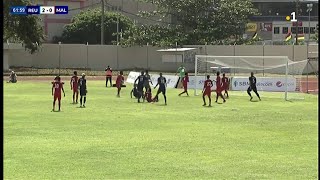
117, 138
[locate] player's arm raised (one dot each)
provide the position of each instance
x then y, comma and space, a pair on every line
135, 81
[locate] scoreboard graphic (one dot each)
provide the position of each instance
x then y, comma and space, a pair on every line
46, 10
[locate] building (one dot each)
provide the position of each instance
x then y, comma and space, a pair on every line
272, 25
53, 24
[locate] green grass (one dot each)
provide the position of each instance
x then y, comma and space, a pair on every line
117, 138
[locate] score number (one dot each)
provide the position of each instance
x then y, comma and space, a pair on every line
47, 10
293, 19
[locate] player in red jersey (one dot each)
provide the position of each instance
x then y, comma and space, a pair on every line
148, 95
74, 87
185, 81
219, 87
207, 90
57, 85
225, 84
119, 82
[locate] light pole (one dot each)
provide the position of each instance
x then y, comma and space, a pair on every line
297, 13
59, 57
309, 6
102, 22
87, 65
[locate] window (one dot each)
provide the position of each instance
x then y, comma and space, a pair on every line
293, 30
312, 29
276, 30
285, 30
306, 30
300, 30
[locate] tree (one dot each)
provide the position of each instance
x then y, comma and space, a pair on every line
197, 22
86, 26
22, 28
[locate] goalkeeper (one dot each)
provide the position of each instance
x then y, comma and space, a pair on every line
181, 70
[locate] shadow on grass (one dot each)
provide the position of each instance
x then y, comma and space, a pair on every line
161, 105
56, 111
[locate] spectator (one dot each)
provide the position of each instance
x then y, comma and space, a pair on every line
12, 77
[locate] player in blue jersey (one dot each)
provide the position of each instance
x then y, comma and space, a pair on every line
141, 81
162, 82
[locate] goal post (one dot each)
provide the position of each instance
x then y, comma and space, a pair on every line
274, 73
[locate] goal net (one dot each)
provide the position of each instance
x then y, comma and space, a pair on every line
273, 73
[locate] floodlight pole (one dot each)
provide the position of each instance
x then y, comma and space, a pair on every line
297, 13
59, 57
234, 61
102, 22
87, 66
147, 55
176, 53
118, 26
309, 6
263, 59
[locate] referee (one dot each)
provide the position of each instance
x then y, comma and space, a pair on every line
252, 86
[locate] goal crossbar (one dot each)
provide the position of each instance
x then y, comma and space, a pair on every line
205, 56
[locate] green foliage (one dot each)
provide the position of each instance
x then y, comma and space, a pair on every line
195, 22
315, 37
22, 28
86, 27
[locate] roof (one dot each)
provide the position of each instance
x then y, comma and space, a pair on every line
176, 49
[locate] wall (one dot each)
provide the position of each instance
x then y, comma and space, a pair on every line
5, 60
147, 57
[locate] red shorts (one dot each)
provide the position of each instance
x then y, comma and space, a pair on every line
185, 87
225, 87
57, 96
219, 90
75, 90
207, 93
118, 86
